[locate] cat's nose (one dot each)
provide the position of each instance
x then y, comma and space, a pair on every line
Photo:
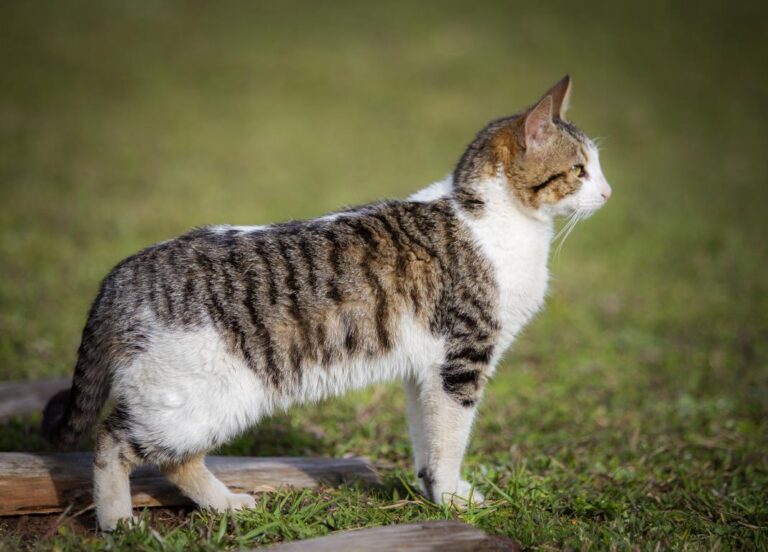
606, 192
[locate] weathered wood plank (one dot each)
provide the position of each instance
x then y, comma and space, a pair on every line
413, 537
43, 483
25, 397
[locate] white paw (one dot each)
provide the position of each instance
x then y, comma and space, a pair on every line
109, 522
239, 501
464, 496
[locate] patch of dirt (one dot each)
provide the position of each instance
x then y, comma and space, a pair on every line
38, 528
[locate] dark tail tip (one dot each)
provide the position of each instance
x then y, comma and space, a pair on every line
53, 416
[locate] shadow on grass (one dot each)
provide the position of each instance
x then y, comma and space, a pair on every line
277, 436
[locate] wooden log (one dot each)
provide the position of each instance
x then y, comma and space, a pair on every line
413, 537
25, 397
44, 483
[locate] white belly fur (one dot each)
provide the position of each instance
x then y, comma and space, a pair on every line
187, 392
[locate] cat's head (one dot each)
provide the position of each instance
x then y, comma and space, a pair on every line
548, 165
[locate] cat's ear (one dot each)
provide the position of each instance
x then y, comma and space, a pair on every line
538, 122
561, 97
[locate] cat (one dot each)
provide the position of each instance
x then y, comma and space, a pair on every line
197, 338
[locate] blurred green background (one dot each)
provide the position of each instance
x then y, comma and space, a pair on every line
631, 412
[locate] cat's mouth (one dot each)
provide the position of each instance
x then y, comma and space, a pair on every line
590, 208
595, 200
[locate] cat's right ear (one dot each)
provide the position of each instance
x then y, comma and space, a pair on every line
538, 122
561, 97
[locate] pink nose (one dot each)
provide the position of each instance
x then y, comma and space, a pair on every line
606, 193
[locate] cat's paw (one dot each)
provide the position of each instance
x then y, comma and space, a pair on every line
240, 501
108, 523
464, 496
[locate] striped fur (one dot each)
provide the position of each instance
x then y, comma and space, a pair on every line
198, 337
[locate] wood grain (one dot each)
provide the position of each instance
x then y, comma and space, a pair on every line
44, 483
413, 537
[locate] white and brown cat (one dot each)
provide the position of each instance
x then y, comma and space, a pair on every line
197, 338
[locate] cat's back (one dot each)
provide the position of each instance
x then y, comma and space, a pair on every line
305, 292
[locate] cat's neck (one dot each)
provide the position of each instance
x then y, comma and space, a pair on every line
500, 210
516, 242
500, 205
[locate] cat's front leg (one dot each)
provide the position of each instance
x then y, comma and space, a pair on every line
441, 422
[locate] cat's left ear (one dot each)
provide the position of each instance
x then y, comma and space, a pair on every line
561, 97
538, 124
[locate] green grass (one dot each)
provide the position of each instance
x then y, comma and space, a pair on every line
632, 413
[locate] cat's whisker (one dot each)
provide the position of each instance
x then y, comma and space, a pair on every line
599, 141
572, 222
564, 231
559, 248
568, 225
564, 227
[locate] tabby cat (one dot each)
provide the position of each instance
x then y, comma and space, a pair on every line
197, 338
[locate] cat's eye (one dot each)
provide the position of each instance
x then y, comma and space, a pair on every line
579, 170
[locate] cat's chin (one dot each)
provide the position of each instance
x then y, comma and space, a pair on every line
585, 213
559, 213
581, 210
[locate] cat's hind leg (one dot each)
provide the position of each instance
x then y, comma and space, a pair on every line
416, 422
195, 480
111, 478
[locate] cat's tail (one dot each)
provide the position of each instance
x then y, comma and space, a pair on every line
71, 413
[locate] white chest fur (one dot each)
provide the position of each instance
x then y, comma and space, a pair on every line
517, 246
